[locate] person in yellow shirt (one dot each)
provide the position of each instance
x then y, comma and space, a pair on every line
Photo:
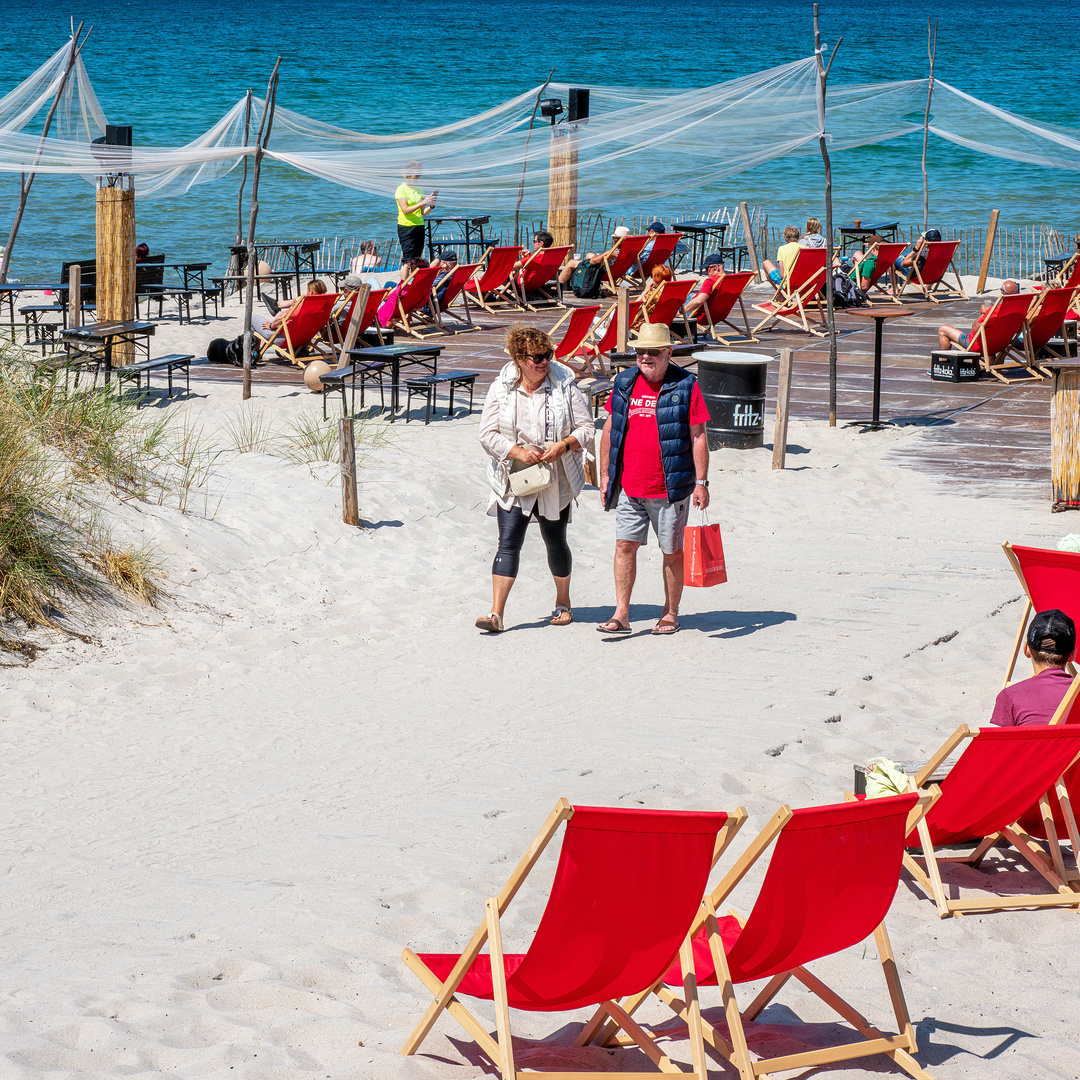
412, 205
785, 256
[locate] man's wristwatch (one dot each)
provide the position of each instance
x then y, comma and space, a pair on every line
704, 483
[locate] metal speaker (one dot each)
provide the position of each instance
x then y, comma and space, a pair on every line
579, 104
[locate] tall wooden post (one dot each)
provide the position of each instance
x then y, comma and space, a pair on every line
116, 257
783, 394
931, 49
991, 236
748, 239
563, 185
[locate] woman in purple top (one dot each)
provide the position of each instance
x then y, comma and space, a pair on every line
1050, 645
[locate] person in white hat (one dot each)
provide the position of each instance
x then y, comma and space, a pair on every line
594, 258
654, 461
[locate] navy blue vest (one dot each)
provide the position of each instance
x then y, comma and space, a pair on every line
673, 424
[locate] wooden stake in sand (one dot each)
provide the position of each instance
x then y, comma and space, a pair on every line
27, 179
265, 124
116, 257
74, 302
783, 392
748, 239
350, 503
823, 75
991, 236
931, 49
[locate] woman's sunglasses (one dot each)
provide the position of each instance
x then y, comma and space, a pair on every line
539, 358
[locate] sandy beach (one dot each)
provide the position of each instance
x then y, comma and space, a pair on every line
226, 816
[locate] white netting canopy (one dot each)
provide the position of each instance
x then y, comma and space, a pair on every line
638, 144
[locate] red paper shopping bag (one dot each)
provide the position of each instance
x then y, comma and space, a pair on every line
703, 556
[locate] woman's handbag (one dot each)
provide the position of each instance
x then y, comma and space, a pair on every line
528, 480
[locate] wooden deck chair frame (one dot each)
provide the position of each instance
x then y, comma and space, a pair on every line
1049, 865
787, 301
928, 290
402, 317
886, 268
735, 1049
439, 310
320, 350
1029, 607
741, 338
994, 363
500, 1050
609, 324
360, 299
613, 282
1030, 355
517, 280
581, 312
680, 311
504, 293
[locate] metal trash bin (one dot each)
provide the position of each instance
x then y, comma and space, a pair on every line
733, 386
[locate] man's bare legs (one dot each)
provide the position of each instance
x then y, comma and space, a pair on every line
673, 586
947, 337
625, 576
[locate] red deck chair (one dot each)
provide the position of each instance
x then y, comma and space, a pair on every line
1051, 579
991, 337
831, 879
346, 314
455, 283
625, 259
931, 276
296, 339
722, 300
662, 249
537, 272
492, 284
1000, 775
887, 255
669, 305
800, 288
415, 293
626, 891
577, 330
1045, 319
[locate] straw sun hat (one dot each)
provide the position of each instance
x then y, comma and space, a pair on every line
652, 336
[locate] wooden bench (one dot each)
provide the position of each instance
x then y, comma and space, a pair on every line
334, 381
426, 386
157, 363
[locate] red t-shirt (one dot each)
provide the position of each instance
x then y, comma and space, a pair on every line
1033, 701
643, 470
706, 288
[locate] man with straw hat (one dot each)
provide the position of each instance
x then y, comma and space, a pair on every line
654, 460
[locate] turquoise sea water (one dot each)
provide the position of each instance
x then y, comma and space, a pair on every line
173, 68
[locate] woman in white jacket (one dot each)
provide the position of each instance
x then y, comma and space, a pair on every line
534, 412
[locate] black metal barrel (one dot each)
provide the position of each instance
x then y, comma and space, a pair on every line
733, 385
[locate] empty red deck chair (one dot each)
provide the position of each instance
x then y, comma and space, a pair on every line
663, 247
929, 279
1002, 772
1051, 579
577, 330
800, 288
415, 293
1045, 319
625, 258
722, 299
452, 286
492, 284
538, 271
625, 893
887, 254
830, 881
296, 339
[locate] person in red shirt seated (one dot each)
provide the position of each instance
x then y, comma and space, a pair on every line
714, 273
948, 336
654, 458
1050, 645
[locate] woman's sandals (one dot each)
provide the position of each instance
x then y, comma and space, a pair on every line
492, 623
562, 616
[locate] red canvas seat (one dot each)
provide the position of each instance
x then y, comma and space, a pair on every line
347, 313
800, 287
625, 893
929, 279
296, 339
1002, 772
830, 881
492, 285
538, 270
452, 286
609, 338
673, 295
415, 293
624, 259
577, 330
887, 254
663, 247
722, 299
992, 336
1045, 319
1051, 579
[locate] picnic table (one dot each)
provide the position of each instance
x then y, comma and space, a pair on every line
392, 356
105, 336
701, 231
300, 252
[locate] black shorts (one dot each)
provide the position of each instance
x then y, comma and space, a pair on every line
411, 238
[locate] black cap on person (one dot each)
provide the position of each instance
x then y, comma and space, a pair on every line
1052, 632
656, 227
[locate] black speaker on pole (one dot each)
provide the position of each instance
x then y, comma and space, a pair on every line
579, 104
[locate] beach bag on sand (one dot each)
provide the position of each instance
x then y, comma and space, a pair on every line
885, 777
586, 280
703, 555
220, 351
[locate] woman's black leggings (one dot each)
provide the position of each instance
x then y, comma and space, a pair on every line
512, 526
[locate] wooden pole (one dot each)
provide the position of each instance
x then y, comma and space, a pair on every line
116, 257
748, 234
991, 236
74, 301
234, 262
622, 314
350, 504
27, 179
525, 159
783, 392
931, 49
265, 124
563, 185
823, 75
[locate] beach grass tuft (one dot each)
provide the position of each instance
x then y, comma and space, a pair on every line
248, 430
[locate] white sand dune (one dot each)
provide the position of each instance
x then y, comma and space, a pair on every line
226, 819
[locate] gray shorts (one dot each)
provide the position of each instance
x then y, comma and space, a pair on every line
634, 516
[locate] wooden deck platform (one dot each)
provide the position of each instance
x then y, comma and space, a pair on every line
971, 432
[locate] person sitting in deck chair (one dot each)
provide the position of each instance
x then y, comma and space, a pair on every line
785, 256
594, 258
948, 336
543, 239
714, 273
1050, 645
315, 287
916, 256
368, 259
812, 238
864, 262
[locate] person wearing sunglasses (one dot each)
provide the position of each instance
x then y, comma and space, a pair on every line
654, 459
533, 413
